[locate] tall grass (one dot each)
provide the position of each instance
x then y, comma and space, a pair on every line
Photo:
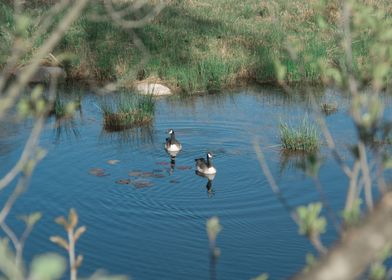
304, 137
127, 110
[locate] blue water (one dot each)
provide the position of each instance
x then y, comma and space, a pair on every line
159, 232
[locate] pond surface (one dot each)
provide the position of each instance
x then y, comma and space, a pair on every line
155, 226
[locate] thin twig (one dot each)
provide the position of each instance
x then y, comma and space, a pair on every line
352, 193
365, 175
358, 248
12, 94
118, 18
272, 183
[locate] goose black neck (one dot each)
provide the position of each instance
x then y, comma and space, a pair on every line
172, 136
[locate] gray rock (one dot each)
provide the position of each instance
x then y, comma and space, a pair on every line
153, 88
45, 73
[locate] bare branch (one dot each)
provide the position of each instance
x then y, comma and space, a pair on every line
347, 259
10, 233
26, 154
12, 94
365, 175
274, 186
353, 187
118, 18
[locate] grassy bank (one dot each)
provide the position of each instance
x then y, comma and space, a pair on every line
199, 45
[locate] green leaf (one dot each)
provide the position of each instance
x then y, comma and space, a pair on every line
311, 260
37, 92
31, 219
23, 108
378, 271
7, 262
380, 71
47, 267
321, 22
352, 216
22, 25
309, 221
335, 75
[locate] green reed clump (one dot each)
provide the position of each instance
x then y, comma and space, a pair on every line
305, 137
65, 108
127, 110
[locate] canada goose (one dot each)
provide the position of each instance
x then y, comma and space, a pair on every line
205, 166
172, 145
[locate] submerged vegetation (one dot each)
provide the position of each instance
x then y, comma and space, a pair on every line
127, 110
304, 137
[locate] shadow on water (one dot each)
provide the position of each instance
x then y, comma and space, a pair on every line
291, 160
67, 126
64, 122
130, 136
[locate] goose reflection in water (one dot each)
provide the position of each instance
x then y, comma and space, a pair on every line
172, 160
210, 178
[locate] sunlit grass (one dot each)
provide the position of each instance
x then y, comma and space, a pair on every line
127, 110
304, 137
197, 45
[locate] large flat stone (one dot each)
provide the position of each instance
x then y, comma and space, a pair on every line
153, 88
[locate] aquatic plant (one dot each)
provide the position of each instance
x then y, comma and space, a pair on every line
127, 110
305, 137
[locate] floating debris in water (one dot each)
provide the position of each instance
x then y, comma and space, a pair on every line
162, 163
184, 167
158, 175
147, 174
113, 161
174, 181
99, 172
142, 184
135, 173
157, 170
123, 181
